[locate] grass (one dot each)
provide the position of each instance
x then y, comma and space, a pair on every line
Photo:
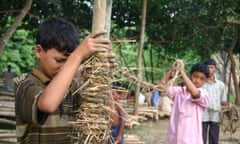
150, 132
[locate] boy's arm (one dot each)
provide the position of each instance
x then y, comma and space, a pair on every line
168, 75
190, 86
122, 123
168, 91
166, 78
224, 96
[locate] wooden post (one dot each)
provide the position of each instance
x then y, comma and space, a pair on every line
140, 52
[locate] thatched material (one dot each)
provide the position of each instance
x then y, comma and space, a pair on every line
92, 120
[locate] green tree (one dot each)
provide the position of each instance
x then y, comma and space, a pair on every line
19, 52
185, 29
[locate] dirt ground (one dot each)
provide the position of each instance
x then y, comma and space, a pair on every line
155, 133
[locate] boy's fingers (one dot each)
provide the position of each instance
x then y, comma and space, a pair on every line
97, 33
102, 46
111, 55
103, 41
112, 60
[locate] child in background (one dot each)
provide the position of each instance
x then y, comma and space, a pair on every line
155, 98
189, 103
117, 116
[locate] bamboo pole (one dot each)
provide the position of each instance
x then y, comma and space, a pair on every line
140, 52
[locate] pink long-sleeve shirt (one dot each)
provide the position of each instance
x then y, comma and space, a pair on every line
185, 126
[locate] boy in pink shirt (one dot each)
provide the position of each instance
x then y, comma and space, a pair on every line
189, 103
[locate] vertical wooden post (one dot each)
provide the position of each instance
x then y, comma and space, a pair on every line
99, 14
102, 16
140, 52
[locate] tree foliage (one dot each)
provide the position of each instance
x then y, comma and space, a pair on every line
19, 52
181, 29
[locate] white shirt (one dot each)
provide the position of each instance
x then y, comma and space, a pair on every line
141, 98
217, 93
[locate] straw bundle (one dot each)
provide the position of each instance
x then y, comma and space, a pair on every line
92, 121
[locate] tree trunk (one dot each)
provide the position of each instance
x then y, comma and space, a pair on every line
15, 24
140, 52
145, 68
233, 66
239, 74
151, 64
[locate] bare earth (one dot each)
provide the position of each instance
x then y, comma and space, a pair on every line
155, 133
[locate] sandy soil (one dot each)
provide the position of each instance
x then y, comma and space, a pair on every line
155, 133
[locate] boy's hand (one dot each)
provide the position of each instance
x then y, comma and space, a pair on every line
92, 44
112, 61
118, 139
178, 65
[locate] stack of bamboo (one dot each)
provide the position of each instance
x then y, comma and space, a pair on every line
144, 112
131, 121
7, 117
132, 139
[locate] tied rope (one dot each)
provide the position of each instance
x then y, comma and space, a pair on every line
230, 118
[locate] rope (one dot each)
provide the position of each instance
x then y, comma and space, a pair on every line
230, 118
175, 73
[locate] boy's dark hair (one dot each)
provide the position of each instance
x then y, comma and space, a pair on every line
200, 67
210, 62
117, 85
59, 34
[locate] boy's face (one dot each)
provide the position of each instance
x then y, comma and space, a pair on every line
50, 61
212, 69
198, 78
115, 94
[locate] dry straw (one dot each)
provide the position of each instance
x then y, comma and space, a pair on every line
92, 121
